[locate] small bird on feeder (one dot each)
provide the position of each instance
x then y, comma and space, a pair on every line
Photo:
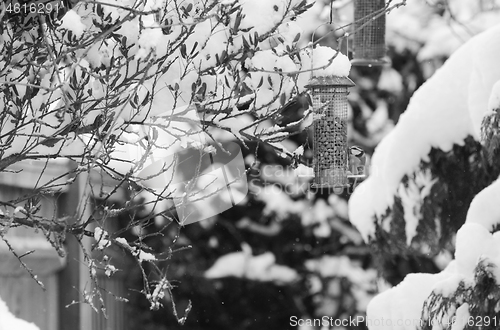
357, 160
293, 110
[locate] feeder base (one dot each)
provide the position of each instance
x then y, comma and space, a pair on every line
371, 62
315, 185
359, 177
337, 189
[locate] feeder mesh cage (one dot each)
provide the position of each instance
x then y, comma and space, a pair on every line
369, 39
330, 105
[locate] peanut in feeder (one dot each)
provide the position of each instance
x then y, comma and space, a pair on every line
369, 37
330, 149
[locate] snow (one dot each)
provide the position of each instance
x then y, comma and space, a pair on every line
154, 5
20, 212
277, 201
254, 18
494, 101
325, 61
442, 42
412, 197
308, 120
390, 80
150, 38
419, 23
138, 253
113, 10
379, 120
101, 236
110, 270
145, 256
243, 264
363, 280
448, 286
448, 109
485, 73
399, 308
461, 317
317, 216
122, 241
9, 322
268, 62
264, 268
484, 208
442, 259
411, 210
299, 151
339, 205
340, 266
474, 244
290, 32
231, 264
72, 22
171, 134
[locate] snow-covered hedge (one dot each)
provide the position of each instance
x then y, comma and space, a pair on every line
445, 113
406, 200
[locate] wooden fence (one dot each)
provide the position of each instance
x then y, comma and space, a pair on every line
64, 278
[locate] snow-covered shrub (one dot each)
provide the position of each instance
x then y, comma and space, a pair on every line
436, 170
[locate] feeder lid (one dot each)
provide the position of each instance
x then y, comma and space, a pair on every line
330, 81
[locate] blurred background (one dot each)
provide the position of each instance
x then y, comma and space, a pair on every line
285, 251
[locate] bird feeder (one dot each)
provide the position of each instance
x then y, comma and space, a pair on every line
329, 96
369, 33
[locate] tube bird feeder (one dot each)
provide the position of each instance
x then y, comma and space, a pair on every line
330, 149
369, 33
